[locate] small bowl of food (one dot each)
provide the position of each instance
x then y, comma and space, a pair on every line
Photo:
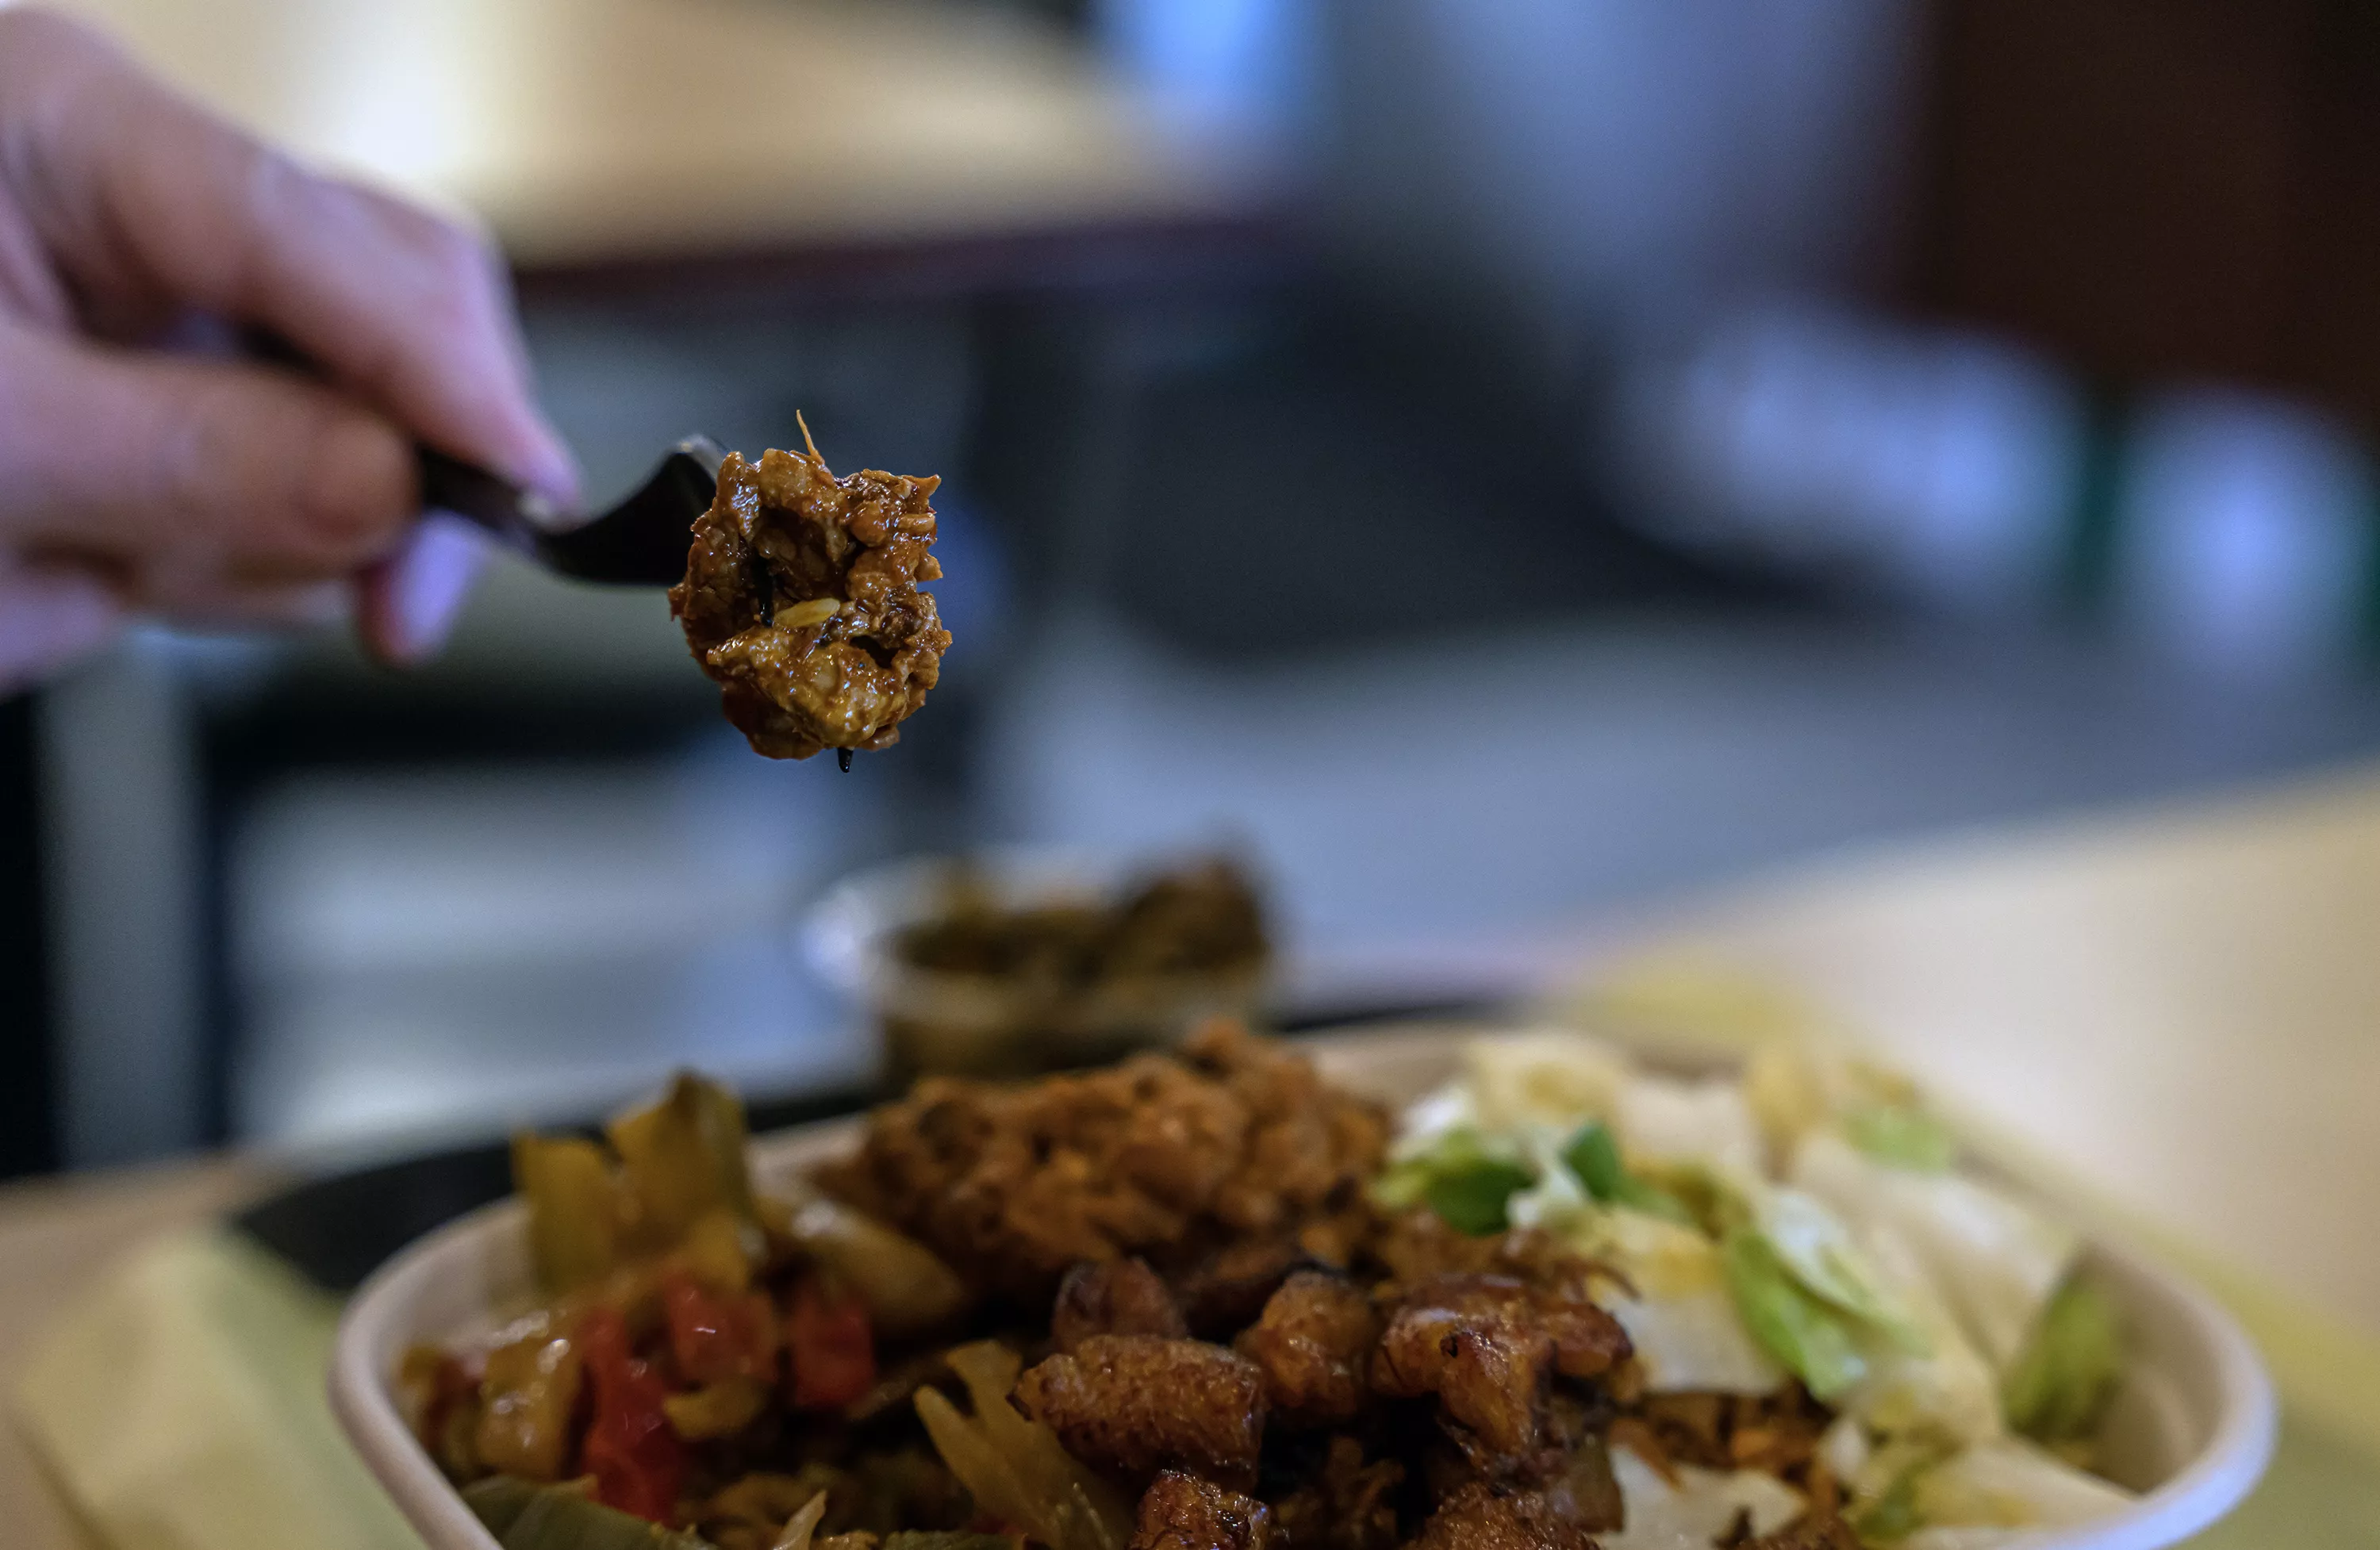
1426, 1288
1014, 963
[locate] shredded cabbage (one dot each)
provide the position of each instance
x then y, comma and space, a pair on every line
1942, 1393
1593, 1156
2011, 1485
1662, 1121
1547, 1077
1996, 1261
1464, 1177
1899, 1135
2067, 1373
1695, 1342
1809, 1338
1801, 1221
1820, 1252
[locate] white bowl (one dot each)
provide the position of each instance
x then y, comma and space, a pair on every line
2191, 1429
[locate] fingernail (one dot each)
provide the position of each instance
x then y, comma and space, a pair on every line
428, 582
50, 618
547, 468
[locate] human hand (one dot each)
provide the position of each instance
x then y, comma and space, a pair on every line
144, 468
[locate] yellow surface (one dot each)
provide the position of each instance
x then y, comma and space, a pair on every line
183, 1402
584, 130
56, 1242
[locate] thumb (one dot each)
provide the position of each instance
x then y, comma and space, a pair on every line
407, 603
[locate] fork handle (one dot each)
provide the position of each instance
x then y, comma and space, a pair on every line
479, 497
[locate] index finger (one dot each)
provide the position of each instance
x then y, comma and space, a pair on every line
139, 193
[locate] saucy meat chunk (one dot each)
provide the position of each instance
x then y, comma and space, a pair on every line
1481, 1517
1182, 1512
1120, 1297
1136, 1404
1489, 1346
801, 600
1314, 1345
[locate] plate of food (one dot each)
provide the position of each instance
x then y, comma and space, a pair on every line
1425, 1287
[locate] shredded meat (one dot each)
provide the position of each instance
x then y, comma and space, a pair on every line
1136, 1404
1417, 1246
1182, 1512
1314, 1345
1489, 1346
1812, 1530
1776, 1432
1587, 1493
1160, 1157
1349, 1504
1117, 1296
1481, 1517
801, 598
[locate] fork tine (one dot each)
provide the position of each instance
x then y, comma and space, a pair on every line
640, 542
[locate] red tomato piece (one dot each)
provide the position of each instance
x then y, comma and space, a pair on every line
832, 1345
637, 1459
714, 1337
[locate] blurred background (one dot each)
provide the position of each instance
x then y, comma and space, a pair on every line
1497, 467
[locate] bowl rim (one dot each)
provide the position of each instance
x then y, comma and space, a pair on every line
2201, 1491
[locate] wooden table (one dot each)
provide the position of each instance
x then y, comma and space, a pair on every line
591, 132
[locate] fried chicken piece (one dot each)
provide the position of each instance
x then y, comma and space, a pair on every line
1314, 1345
1182, 1512
1489, 1346
801, 598
1013, 1185
1349, 1504
1120, 1297
1481, 1517
1136, 1404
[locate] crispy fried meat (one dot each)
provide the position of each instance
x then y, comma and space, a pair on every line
1489, 1346
1136, 1404
1182, 1512
1481, 1517
1314, 1345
